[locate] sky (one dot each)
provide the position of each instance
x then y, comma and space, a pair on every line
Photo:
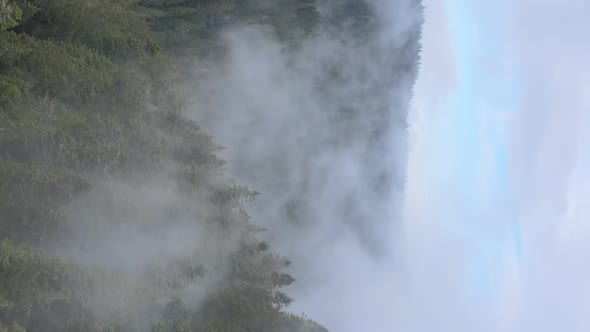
496, 235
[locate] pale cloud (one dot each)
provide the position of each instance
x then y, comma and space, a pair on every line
551, 163
543, 46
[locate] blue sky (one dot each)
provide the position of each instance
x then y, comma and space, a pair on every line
470, 137
499, 171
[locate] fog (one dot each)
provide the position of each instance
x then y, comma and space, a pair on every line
471, 219
419, 177
320, 129
381, 237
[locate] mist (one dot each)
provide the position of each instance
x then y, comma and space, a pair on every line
320, 129
175, 166
179, 164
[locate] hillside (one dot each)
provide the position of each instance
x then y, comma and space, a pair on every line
118, 211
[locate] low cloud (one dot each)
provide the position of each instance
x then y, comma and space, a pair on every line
321, 131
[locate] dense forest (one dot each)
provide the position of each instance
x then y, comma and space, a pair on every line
87, 93
116, 209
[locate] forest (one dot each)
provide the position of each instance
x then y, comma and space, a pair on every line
92, 119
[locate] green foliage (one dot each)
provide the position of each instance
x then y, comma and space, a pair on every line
14, 328
27, 8
45, 130
62, 70
229, 198
34, 198
43, 292
26, 179
28, 277
36, 120
84, 95
12, 91
10, 14
107, 25
260, 270
187, 27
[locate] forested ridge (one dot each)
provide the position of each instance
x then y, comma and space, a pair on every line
87, 93
116, 209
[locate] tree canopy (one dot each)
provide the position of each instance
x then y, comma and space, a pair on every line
88, 95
